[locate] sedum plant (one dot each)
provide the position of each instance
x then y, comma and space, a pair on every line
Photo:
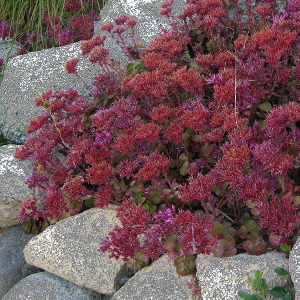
196, 141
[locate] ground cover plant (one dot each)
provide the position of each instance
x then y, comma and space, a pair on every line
196, 142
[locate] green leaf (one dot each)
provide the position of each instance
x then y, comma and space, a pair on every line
137, 66
182, 157
137, 197
250, 280
194, 32
156, 200
287, 297
216, 188
294, 82
265, 289
266, 106
281, 271
264, 283
186, 143
193, 64
150, 207
185, 135
174, 200
105, 100
130, 68
153, 209
257, 297
211, 45
278, 291
205, 151
90, 202
257, 284
183, 170
258, 274
197, 137
252, 226
262, 26
285, 248
261, 124
245, 296
134, 187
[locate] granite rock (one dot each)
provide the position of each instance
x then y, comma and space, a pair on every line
49, 286
294, 260
29, 75
8, 48
13, 190
13, 266
159, 281
69, 250
149, 22
223, 278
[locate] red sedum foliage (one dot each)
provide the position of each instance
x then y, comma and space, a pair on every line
196, 142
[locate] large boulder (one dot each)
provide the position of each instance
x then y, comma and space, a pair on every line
149, 22
29, 75
223, 278
48, 286
159, 281
13, 190
13, 266
294, 267
69, 250
8, 48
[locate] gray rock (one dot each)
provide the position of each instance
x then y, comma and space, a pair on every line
159, 281
13, 190
29, 75
294, 264
223, 278
8, 48
149, 22
107, 297
69, 249
49, 286
13, 266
